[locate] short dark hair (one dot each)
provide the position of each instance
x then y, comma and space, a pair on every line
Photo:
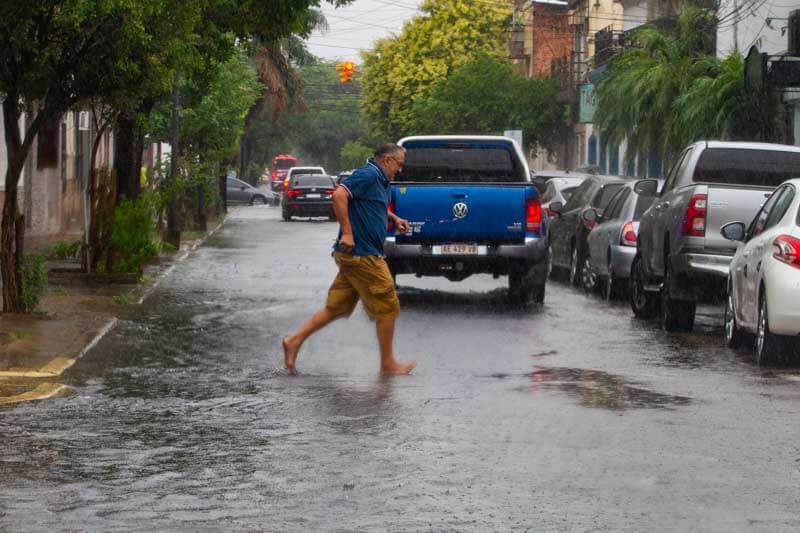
386, 150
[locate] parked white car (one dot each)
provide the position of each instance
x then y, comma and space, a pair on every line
301, 171
764, 277
559, 190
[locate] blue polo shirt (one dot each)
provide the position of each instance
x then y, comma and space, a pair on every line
368, 188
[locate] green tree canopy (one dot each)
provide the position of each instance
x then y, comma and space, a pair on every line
402, 68
485, 96
354, 154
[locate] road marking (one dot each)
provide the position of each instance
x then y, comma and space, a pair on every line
55, 367
42, 392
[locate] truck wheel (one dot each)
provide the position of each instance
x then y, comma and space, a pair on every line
576, 269
676, 315
522, 289
733, 335
769, 347
643, 303
537, 294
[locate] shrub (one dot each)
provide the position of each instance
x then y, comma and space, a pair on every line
133, 239
34, 281
65, 250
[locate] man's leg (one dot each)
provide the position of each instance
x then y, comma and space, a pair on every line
390, 365
292, 343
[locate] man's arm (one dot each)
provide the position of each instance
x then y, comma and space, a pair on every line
400, 223
341, 198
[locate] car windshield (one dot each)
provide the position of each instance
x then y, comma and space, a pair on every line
766, 168
312, 181
462, 164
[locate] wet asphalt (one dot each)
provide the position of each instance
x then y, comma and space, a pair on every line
569, 417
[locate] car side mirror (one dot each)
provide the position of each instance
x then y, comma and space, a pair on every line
734, 231
646, 188
591, 215
556, 207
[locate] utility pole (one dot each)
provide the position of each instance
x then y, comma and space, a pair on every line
173, 233
736, 25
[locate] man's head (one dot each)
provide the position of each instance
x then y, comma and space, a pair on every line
390, 157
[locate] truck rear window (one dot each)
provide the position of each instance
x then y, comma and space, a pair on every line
765, 168
455, 164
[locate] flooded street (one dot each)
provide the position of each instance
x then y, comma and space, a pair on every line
570, 417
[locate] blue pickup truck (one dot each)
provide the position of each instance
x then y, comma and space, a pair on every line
472, 208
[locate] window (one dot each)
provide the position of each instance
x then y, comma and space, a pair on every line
765, 168
643, 203
313, 181
676, 171
462, 163
568, 192
759, 223
615, 205
583, 191
549, 192
780, 207
605, 194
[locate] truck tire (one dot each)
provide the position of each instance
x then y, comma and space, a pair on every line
769, 347
643, 304
522, 288
676, 315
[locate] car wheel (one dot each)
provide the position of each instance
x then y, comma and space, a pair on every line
733, 335
676, 315
286, 216
575, 267
258, 200
643, 303
610, 287
769, 347
588, 277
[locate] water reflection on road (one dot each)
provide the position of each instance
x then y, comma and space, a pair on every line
572, 416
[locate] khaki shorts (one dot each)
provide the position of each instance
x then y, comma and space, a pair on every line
364, 277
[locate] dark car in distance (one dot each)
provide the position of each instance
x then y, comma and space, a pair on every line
309, 196
569, 228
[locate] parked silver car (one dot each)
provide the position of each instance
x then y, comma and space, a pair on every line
240, 192
612, 242
558, 190
764, 277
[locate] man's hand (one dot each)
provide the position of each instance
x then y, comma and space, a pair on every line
401, 224
347, 243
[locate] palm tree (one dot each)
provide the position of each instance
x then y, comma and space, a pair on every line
637, 98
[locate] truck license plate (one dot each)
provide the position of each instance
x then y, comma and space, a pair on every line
458, 249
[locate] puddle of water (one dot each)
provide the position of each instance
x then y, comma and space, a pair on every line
595, 388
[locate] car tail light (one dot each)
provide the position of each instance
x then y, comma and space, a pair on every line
694, 221
390, 224
293, 193
786, 249
533, 215
628, 234
286, 184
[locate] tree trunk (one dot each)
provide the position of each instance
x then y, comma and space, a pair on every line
94, 247
129, 145
13, 227
173, 233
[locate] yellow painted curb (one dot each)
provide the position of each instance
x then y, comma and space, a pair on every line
42, 392
51, 370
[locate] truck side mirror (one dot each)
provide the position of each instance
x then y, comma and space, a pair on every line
733, 231
591, 215
556, 207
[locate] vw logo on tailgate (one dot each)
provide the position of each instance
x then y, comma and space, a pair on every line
460, 210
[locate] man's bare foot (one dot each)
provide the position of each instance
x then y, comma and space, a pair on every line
290, 349
398, 367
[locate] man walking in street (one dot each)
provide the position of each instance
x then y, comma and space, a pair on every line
361, 205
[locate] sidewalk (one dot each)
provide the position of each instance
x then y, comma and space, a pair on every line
35, 349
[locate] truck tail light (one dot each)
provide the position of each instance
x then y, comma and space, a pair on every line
694, 221
628, 234
293, 193
390, 224
533, 215
786, 249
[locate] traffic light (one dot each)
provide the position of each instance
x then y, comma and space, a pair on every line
346, 71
